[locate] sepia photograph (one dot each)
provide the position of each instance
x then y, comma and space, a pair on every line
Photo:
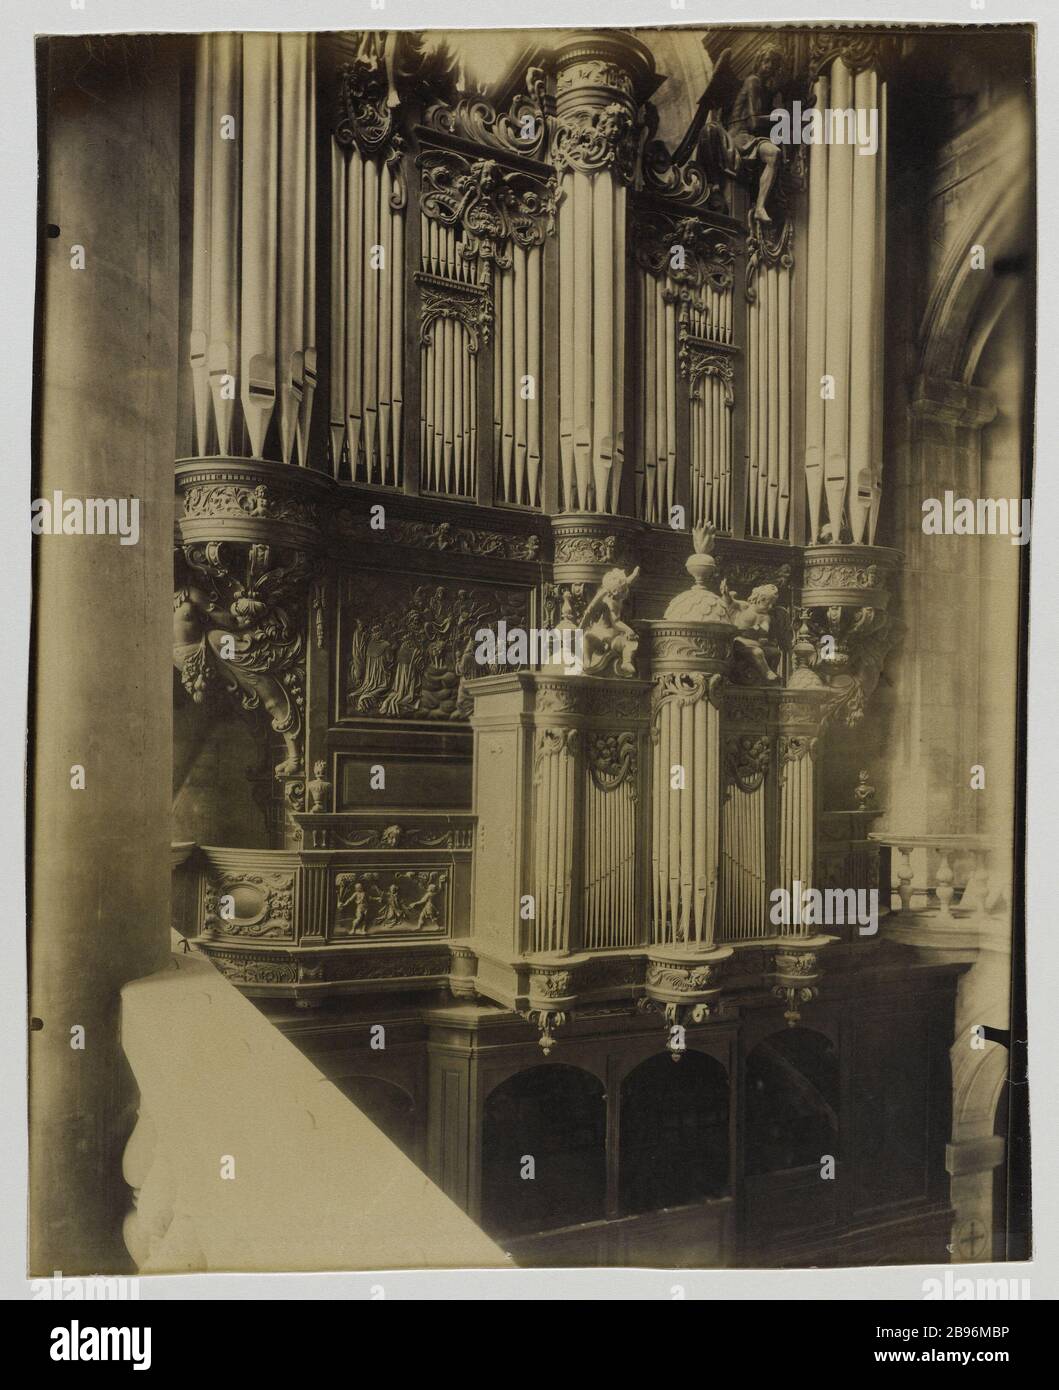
528, 678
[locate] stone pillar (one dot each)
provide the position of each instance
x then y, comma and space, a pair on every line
103, 674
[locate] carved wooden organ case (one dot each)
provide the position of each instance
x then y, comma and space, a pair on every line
452, 356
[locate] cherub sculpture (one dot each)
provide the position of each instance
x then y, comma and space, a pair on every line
610, 643
751, 616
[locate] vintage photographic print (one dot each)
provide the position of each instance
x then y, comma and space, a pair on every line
531, 538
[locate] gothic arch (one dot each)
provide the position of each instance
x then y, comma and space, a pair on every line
965, 302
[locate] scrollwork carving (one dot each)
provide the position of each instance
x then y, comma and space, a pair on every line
523, 130
470, 304
493, 206
242, 633
591, 141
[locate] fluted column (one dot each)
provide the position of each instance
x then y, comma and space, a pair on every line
691, 646
844, 300
252, 344
797, 724
601, 80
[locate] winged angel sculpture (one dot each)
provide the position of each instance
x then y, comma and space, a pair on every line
728, 137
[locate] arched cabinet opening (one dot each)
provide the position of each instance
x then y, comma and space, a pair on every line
543, 1151
792, 1131
674, 1133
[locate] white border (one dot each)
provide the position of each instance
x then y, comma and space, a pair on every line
17, 271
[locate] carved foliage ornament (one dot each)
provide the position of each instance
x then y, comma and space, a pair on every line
260, 502
612, 760
793, 747
551, 743
690, 981
746, 760
579, 549
590, 141
448, 299
367, 101
493, 206
444, 535
523, 130
697, 361
249, 904
254, 972
767, 244
688, 252
243, 629
858, 50
684, 687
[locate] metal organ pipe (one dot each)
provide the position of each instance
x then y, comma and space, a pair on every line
253, 329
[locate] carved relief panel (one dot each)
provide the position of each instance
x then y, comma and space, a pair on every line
407, 643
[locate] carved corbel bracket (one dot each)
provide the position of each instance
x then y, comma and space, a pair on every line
685, 988
845, 600
795, 974
544, 1020
239, 624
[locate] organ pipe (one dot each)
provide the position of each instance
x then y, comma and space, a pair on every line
252, 340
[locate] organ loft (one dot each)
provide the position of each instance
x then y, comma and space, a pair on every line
553, 331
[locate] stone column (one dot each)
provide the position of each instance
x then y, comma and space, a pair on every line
103, 671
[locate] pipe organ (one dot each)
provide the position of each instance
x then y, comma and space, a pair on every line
844, 305
559, 352
252, 343
368, 196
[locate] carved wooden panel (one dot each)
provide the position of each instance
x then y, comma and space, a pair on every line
407, 643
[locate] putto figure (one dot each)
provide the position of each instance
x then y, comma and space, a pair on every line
752, 616
610, 643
